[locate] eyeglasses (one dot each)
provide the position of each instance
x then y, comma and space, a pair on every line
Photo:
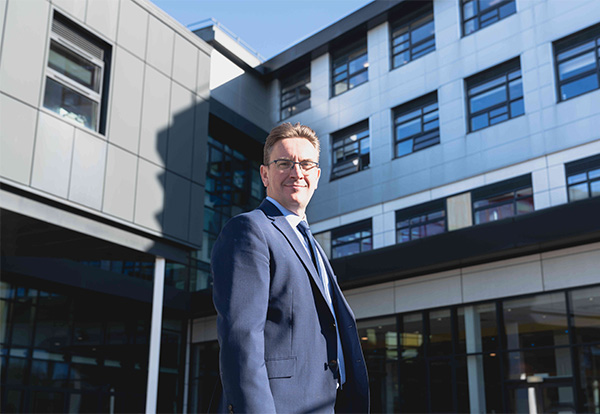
305, 166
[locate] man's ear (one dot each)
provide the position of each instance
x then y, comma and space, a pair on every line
264, 175
318, 177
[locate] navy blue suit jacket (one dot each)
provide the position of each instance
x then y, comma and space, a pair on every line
276, 330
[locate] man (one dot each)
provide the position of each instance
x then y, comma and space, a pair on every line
288, 338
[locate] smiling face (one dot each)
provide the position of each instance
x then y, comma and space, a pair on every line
293, 188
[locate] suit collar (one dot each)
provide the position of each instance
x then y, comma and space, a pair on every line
282, 224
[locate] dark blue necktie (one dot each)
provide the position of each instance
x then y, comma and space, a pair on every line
305, 230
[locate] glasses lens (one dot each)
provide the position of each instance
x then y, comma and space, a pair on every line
283, 164
307, 165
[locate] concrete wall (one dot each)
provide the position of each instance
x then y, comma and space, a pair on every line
546, 128
147, 170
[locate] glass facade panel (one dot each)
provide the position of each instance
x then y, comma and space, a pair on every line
583, 178
440, 333
351, 239
495, 95
502, 200
477, 14
589, 372
421, 221
416, 125
350, 67
80, 355
295, 93
536, 322
76, 73
413, 37
472, 359
379, 340
577, 59
350, 150
585, 305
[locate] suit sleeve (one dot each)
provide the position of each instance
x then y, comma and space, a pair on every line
241, 279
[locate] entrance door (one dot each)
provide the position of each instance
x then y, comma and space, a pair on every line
541, 398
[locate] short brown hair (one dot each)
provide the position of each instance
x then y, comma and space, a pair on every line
287, 130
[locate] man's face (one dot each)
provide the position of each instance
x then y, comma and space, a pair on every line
293, 188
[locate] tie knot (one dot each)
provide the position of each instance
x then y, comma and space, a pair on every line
303, 226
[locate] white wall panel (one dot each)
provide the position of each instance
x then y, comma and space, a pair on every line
500, 279
150, 195
102, 15
87, 172
133, 28
119, 184
155, 116
21, 73
185, 61
160, 51
52, 155
126, 107
17, 135
74, 8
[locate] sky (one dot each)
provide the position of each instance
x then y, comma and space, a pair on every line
268, 26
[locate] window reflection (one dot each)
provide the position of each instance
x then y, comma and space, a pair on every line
379, 342
535, 322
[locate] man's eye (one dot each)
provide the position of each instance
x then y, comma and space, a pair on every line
284, 164
307, 165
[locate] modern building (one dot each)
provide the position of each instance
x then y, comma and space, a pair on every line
458, 198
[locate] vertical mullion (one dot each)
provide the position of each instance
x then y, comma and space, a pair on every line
453, 361
501, 352
425, 324
575, 380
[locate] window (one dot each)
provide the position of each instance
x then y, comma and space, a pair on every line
416, 125
413, 37
501, 200
295, 94
495, 95
350, 67
478, 14
351, 148
233, 186
578, 63
76, 75
351, 239
583, 178
421, 221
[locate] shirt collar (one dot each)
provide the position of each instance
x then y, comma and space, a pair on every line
292, 218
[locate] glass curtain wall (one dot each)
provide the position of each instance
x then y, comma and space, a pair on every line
537, 353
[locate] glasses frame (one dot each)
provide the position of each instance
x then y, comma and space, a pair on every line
304, 170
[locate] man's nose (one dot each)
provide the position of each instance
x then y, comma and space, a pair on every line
296, 170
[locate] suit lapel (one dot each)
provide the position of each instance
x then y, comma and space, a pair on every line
337, 291
281, 223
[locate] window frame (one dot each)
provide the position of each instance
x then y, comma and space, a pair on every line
64, 35
412, 23
345, 57
360, 227
477, 16
411, 213
492, 76
359, 159
571, 42
419, 104
583, 166
296, 82
512, 185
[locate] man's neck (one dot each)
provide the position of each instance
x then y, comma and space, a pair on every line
299, 212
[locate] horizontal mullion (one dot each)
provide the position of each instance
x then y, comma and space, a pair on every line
71, 84
579, 76
491, 108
